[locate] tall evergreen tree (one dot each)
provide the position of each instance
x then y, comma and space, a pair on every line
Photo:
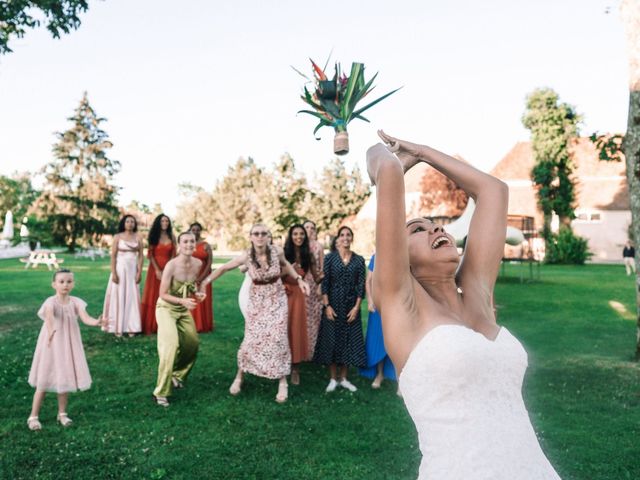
552, 124
78, 196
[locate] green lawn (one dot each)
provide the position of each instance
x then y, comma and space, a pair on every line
582, 390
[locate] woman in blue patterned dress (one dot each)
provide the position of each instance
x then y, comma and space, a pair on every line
340, 340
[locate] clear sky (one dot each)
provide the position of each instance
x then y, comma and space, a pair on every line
188, 87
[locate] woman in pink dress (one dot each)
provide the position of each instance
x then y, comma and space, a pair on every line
265, 348
162, 248
314, 300
122, 300
59, 364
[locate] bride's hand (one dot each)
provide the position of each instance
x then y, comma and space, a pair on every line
377, 155
408, 153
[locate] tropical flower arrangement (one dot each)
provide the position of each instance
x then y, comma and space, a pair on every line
334, 100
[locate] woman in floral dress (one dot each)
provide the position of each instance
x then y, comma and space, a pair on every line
264, 351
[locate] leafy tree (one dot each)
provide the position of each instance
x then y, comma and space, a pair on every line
78, 196
240, 199
16, 16
552, 124
16, 194
144, 213
277, 197
627, 147
290, 193
198, 206
339, 194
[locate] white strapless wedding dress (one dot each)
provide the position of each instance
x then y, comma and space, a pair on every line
464, 394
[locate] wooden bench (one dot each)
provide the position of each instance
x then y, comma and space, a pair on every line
42, 257
91, 253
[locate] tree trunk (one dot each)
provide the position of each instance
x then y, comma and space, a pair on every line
630, 14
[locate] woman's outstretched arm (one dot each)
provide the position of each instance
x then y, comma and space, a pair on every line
230, 265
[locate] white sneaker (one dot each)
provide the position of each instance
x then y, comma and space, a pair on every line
344, 383
332, 385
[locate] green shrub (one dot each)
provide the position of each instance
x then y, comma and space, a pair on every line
40, 231
565, 247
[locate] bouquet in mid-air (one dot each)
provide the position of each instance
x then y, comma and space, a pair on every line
334, 100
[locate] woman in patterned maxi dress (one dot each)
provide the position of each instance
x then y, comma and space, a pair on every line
314, 300
264, 351
340, 340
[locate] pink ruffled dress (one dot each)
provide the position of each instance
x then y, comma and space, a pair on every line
60, 366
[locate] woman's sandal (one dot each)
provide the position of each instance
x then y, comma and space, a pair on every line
34, 424
283, 393
64, 420
162, 401
177, 384
235, 387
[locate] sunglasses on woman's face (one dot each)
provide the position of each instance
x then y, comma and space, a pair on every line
259, 234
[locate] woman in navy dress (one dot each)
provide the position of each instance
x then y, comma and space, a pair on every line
340, 339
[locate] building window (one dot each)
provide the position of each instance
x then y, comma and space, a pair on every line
588, 216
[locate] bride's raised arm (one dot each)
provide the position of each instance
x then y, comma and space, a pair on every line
392, 281
485, 241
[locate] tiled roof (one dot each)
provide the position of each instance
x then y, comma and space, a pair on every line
599, 185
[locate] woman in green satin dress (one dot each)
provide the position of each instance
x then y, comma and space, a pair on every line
177, 337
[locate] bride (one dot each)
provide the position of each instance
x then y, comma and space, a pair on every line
461, 374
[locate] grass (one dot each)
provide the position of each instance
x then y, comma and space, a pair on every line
582, 390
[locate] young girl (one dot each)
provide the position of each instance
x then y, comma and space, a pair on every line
59, 364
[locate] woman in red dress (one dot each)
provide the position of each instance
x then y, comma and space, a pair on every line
162, 248
203, 313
